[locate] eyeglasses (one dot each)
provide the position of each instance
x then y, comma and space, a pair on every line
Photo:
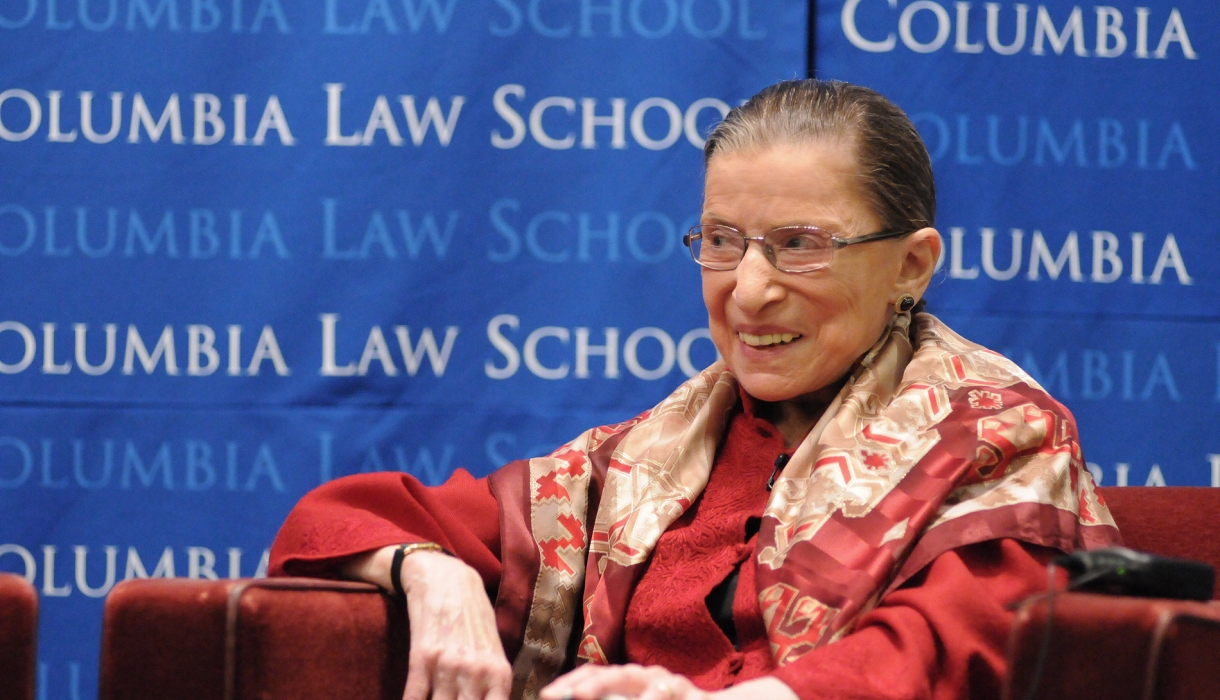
789, 248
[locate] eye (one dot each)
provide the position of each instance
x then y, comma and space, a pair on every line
801, 241
719, 239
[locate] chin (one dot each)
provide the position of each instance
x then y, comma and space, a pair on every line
769, 388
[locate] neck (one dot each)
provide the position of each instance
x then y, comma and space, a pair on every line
795, 417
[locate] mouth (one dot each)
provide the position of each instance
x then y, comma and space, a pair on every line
770, 340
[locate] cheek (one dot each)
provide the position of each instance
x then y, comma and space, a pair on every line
865, 284
855, 327
872, 277
848, 320
826, 304
715, 294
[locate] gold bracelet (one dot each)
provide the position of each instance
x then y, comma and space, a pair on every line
419, 546
401, 553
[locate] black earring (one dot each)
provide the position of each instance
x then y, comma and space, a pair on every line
905, 303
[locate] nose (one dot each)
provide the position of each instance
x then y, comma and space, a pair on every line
757, 283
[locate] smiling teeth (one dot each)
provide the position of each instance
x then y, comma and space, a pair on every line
764, 340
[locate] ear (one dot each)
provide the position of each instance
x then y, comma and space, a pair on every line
921, 250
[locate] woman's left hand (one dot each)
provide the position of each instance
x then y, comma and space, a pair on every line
594, 682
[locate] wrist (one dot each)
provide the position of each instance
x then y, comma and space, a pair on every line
421, 562
398, 562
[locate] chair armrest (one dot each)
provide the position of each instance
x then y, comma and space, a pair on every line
1115, 648
18, 637
305, 639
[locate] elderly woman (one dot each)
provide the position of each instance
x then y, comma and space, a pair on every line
842, 507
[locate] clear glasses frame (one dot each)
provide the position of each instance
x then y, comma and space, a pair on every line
817, 252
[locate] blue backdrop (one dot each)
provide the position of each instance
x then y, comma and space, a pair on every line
252, 245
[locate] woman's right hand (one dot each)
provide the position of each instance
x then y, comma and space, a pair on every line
455, 646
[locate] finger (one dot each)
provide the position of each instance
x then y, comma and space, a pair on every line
419, 679
671, 687
446, 674
561, 687
577, 675
479, 676
629, 680
483, 680
501, 687
481, 667
626, 680
419, 683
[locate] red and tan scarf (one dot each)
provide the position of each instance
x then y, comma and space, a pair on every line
933, 443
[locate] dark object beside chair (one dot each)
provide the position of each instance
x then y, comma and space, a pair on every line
18, 637
297, 639
1126, 572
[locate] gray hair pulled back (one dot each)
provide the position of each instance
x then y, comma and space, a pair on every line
894, 168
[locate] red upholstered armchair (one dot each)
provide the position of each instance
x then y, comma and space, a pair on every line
305, 640
18, 636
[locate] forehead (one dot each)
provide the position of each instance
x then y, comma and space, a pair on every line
815, 182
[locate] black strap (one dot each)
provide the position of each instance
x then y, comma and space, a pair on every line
400, 553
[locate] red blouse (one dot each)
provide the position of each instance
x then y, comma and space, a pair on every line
941, 636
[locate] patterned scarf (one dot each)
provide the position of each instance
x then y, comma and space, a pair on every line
932, 444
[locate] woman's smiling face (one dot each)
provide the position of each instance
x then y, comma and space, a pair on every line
833, 315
